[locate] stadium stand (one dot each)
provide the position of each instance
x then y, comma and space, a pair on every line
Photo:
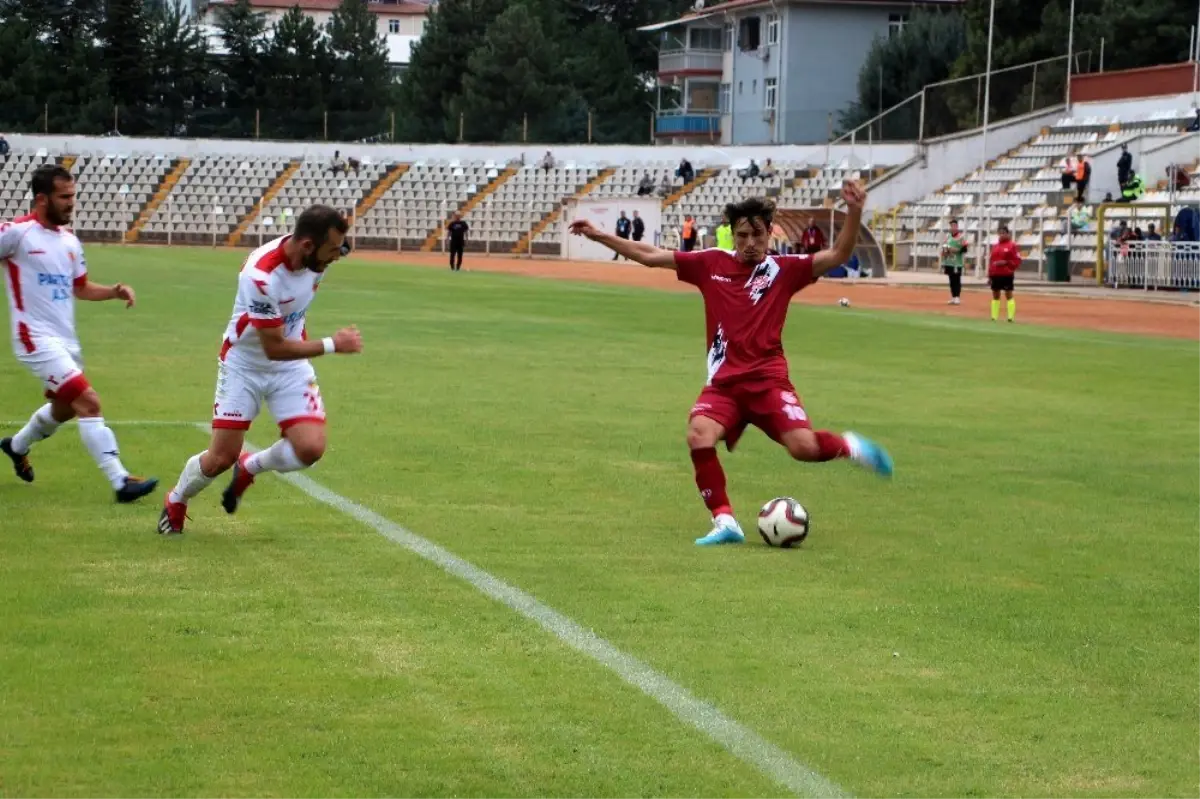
1023, 189
113, 190
15, 172
516, 207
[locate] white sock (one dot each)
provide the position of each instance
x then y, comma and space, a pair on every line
192, 480
102, 445
279, 457
41, 426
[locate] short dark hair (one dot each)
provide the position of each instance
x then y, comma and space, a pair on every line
44, 177
954, 221
1004, 229
751, 209
316, 222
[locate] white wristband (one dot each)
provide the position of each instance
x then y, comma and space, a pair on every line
327, 342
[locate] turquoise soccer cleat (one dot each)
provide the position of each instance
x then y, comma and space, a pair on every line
869, 455
725, 531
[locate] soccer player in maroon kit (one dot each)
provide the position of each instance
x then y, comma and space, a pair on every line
746, 297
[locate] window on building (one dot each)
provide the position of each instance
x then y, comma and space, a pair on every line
770, 87
750, 33
739, 87
729, 37
393, 26
754, 86
704, 38
772, 29
896, 23
726, 103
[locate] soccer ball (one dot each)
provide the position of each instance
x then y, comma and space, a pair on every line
783, 522
844, 302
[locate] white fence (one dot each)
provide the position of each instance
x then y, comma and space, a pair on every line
1153, 265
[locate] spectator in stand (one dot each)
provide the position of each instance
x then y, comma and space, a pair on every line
1083, 176
1152, 233
1194, 125
548, 161
646, 185
337, 166
1124, 166
768, 170
1133, 189
724, 235
749, 172
353, 163
812, 240
4, 149
1108, 198
664, 187
1118, 233
685, 171
1178, 175
1079, 217
1068, 172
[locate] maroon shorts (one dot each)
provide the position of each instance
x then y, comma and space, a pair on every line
771, 405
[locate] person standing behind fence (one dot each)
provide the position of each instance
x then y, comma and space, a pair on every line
688, 235
458, 241
724, 235
624, 228
639, 227
953, 251
1002, 266
1124, 166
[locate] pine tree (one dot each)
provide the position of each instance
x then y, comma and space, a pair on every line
124, 37
241, 67
179, 69
361, 90
298, 68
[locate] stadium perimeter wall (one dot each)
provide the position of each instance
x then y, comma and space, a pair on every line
500, 153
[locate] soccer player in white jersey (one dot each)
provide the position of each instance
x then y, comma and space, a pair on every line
265, 359
45, 273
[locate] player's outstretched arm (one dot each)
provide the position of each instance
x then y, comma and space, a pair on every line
644, 254
278, 348
854, 196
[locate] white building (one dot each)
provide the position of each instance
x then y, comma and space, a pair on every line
400, 22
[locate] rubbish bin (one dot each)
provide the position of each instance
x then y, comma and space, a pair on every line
1058, 264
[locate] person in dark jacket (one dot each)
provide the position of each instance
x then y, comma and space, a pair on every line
624, 228
639, 227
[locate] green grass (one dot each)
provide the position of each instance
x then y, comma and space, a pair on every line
1015, 614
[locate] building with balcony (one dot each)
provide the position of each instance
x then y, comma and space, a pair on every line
399, 22
767, 71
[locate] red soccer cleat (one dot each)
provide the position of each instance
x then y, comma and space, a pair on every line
242, 480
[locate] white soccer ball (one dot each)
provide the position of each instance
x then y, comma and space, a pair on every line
844, 302
783, 522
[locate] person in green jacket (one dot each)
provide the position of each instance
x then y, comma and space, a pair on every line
1132, 190
724, 235
953, 250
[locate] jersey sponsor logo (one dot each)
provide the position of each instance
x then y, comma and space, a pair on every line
36, 252
716, 353
262, 308
59, 286
721, 279
761, 280
295, 316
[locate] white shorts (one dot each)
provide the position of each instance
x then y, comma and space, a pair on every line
291, 395
59, 365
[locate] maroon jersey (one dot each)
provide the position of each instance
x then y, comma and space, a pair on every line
744, 308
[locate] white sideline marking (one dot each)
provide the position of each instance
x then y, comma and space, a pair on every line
745, 744
121, 423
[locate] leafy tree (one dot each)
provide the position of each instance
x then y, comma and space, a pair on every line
924, 52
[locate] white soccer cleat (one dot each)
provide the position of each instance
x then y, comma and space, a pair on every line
725, 530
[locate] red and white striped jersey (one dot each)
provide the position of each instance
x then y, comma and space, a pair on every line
42, 266
269, 295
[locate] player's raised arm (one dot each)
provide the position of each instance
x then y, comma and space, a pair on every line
854, 196
641, 252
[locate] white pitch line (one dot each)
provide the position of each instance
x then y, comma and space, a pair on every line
745, 744
121, 423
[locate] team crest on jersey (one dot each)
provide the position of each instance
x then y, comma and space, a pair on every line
761, 279
716, 353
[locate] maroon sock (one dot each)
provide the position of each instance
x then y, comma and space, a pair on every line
710, 479
832, 446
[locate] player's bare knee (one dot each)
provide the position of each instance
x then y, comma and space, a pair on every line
701, 437
309, 450
87, 404
802, 445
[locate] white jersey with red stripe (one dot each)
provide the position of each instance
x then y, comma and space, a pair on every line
269, 295
42, 267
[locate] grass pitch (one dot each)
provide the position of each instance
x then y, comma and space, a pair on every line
1014, 614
